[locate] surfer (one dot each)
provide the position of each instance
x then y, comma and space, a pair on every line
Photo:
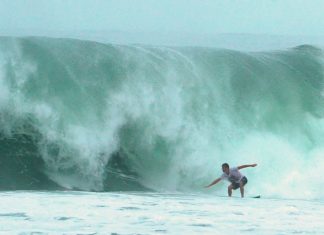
234, 176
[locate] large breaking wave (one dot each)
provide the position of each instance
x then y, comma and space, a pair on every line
90, 116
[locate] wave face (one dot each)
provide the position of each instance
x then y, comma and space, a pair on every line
83, 115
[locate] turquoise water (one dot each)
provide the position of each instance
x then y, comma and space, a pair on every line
82, 115
41, 212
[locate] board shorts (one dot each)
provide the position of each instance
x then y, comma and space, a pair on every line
237, 185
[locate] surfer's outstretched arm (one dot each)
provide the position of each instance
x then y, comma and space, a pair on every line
214, 182
245, 166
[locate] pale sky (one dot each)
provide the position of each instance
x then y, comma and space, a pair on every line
282, 17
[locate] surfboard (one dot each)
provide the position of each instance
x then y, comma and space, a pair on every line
257, 196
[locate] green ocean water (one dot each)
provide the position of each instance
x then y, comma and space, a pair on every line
104, 117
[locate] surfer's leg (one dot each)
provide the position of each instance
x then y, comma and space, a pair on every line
242, 183
230, 187
242, 189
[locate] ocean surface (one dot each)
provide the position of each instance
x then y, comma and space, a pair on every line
99, 138
58, 212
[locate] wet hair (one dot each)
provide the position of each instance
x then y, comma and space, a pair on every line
225, 165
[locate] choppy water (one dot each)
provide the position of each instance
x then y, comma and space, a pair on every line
37, 212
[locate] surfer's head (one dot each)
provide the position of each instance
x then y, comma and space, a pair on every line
225, 168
